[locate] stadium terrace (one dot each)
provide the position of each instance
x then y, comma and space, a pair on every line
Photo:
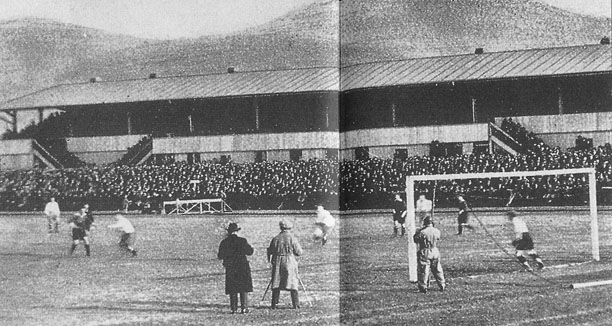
270, 139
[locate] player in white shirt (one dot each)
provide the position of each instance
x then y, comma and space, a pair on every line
128, 234
324, 223
52, 210
424, 207
523, 242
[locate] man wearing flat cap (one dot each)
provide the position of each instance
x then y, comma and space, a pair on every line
233, 251
281, 254
428, 256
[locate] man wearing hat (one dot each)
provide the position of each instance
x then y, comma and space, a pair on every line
523, 242
428, 255
281, 254
233, 251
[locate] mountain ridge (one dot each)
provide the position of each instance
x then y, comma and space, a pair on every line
37, 53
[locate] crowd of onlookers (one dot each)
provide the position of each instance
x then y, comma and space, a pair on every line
302, 184
265, 185
349, 184
529, 140
368, 183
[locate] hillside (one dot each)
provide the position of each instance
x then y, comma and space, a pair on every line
395, 29
36, 53
303, 38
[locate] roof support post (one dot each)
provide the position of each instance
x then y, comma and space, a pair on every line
129, 122
256, 108
560, 99
473, 110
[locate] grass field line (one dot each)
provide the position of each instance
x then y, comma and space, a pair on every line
563, 316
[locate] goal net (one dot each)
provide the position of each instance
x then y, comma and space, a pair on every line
562, 234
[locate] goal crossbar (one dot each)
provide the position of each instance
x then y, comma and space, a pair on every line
410, 206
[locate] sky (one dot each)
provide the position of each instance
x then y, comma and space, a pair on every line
167, 19
160, 19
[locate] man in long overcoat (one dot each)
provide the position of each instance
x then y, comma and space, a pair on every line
234, 250
281, 254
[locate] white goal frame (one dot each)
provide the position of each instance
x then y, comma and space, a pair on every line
410, 205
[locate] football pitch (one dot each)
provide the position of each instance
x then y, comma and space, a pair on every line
359, 277
176, 278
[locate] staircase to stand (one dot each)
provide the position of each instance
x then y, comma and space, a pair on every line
503, 140
139, 153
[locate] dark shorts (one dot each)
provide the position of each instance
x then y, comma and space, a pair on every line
127, 240
399, 218
462, 218
78, 234
525, 243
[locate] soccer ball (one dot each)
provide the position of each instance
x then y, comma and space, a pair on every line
317, 234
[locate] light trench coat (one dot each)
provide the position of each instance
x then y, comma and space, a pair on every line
281, 253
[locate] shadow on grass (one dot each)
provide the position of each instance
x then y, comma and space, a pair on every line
253, 271
172, 306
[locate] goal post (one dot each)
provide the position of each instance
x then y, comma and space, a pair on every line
410, 205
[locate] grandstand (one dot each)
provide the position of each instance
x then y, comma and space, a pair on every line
269, 139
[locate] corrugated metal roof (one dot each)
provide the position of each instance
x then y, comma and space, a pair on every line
183, 87
497, 65
586, 59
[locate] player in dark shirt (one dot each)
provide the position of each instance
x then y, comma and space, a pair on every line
81, 224
463, 217
399, 215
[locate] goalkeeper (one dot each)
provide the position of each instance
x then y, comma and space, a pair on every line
523, 242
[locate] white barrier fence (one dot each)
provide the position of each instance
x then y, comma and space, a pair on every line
196, 206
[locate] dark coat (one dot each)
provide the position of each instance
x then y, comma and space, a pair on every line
281, 253
233, 251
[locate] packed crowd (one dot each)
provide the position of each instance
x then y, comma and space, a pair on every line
354, 184
266, 185
368, 183
529, 140
302, 184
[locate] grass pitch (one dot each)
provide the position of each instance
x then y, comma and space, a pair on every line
358, 278
175, 279
485, 286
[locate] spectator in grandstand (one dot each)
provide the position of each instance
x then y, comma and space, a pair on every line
281, 254
128, 234
399, 215
424, 208
428, 256
523, 242
80, 225
463, 215
125, 204
324, 224
233, 250
52, 210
